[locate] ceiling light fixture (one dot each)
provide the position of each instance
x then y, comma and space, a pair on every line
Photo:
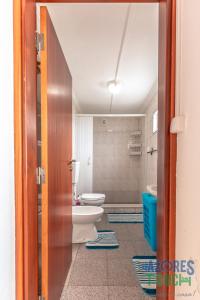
114, 87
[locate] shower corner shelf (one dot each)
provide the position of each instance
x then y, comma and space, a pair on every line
135, 153
134, 145
136, 133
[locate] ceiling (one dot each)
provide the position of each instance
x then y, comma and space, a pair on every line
90, 36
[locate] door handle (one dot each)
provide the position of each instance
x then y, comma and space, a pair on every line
70, 162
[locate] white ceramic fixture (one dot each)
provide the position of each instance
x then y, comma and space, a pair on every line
152, 189
92, 199
83, 219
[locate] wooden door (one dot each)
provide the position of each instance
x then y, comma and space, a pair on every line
25, 129
56, 124
166, 141
26, 144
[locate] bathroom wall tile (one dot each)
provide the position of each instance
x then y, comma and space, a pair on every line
120, 196
114, 170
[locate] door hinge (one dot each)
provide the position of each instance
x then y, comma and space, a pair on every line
39, 40
40, 175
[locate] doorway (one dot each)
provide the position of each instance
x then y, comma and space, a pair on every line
27, 129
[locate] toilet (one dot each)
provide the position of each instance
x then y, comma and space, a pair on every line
89, 199
83, 220
92, 199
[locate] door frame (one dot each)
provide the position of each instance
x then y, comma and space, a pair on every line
26, 142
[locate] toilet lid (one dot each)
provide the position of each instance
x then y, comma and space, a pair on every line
93, 196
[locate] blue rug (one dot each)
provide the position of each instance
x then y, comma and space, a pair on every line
106, 240
145, 267
125, 217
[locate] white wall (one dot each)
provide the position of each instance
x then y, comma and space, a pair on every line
149, 140
188, 164
84, 153
148, 168
7, 218
73, 130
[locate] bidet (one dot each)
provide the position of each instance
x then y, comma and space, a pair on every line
83, 220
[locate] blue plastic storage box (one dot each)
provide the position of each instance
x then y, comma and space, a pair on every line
150, 219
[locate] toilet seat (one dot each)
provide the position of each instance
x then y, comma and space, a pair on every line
93, 199
93, 196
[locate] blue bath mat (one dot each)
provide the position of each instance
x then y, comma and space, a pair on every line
106, 240
145, 267
125, 217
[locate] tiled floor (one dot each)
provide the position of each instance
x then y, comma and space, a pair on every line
108, 274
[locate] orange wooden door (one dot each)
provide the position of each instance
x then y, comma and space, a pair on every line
56, 126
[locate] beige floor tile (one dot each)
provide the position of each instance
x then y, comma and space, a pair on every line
86, 293
89, 272
126, 250
142, 248
121, 231
83, 252
121, 273
108, 274
75, 248
102, 226
125, 293
136, 231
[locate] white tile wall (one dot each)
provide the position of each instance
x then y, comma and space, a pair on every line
116, 173
149, 162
